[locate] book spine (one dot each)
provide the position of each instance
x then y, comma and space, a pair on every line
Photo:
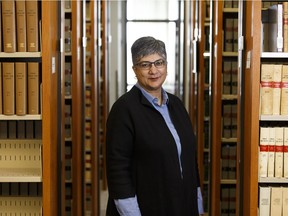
21, 26
263, 151
228, 35
21, 88
266, 98
279, 152
285, 152
276, 201
271, 153
226, 83
9, 25
264, 201
285, 26
280, 28
284, 98
33, 88
32, 25
8, 88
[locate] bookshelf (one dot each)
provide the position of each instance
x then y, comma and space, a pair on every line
28, 142
81, 106
254, 185
204, 99
225, 147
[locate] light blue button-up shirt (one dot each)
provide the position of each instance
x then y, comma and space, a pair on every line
129, 206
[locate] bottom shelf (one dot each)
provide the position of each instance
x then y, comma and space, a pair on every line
21, 206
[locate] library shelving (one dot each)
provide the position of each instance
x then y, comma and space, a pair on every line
83, 120
204, 98
256, 183
225, 146
28, 140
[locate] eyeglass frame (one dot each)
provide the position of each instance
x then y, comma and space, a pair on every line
150, 64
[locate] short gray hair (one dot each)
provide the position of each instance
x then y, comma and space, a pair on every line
147, 46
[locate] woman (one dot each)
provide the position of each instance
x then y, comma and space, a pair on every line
151, 152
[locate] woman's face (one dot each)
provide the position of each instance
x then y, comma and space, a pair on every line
151, 72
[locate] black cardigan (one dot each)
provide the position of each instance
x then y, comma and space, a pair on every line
142, 157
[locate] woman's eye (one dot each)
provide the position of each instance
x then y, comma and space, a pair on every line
144, 65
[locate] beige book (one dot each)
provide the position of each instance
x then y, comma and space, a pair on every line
285, 26
32, 25
276, 98
284, 91
277, 77
21, 88
263, 151
8, 88
285, 201
266, 103
33, 88
264, 201
1, 104
9, 25
279, 152
276, 201
284, 73
285, 153
271, 153
277, 72
284, 98
21, 26
267, 72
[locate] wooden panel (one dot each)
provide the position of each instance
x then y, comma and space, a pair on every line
251, 107
49, 76
95, 110
216, 109
77, 109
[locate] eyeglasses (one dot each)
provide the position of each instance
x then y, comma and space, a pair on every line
146, 65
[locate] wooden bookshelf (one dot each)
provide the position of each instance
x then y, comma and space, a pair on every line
204, 99
252, 114
225, 110
28, 160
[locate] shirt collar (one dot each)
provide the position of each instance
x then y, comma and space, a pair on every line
151, 98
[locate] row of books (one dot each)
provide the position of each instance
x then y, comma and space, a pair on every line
273, 152
20, 129
228, 162
273, 201
230, 77
231, 3
19, 88
231, 35
274, 89
229, 120
20, 189
275, 28
228, 200
20, 26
